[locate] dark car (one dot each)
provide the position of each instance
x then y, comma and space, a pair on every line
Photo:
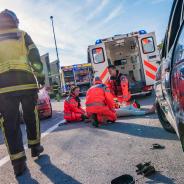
169, 86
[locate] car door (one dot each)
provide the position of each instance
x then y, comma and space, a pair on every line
99, 61
150, 56
173, 28
177, 83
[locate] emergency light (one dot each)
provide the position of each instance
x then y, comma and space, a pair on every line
98, 41
75, 67
142, 32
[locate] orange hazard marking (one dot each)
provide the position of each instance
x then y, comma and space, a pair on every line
104, 73
150, 75
149, 65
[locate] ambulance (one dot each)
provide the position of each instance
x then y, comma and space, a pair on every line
79, 74
134, 55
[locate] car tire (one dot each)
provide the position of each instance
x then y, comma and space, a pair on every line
162, 118
50, 116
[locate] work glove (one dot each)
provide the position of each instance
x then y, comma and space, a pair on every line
37, 67
40, 78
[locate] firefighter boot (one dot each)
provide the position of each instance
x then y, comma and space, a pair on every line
19, 168
36, 150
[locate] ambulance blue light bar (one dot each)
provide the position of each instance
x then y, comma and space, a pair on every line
142, 32
98, 41
75, 66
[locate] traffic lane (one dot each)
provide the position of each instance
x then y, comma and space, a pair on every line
79, 153
99, 155
45, 124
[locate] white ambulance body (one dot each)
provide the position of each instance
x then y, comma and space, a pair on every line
134, 55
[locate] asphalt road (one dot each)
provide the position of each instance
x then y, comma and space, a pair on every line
78, 153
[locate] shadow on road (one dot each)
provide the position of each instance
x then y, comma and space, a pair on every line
26, 178
147, 116
159, 178
70, 126
52, 172
1, 137
140, 130
55, 115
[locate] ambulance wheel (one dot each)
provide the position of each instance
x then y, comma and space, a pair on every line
162, 118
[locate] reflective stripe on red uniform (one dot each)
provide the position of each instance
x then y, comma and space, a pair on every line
72, 110
99, 100
119, 87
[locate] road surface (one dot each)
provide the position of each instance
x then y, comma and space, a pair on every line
78, 153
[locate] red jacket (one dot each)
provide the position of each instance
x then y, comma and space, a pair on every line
98, 99
119, 87
72, 109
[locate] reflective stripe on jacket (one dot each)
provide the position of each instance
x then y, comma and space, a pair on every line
98, 97
72, 109
119, 86
13, 52
16, 73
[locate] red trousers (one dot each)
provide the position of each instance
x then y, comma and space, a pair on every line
103, 114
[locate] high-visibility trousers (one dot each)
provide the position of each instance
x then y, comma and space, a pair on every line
10, 123
103, 115
73, 116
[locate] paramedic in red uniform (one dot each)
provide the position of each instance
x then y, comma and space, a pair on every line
118, 85
72, 106
100, 104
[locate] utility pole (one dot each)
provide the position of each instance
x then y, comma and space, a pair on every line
58, 61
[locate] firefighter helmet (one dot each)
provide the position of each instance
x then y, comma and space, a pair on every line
11, 15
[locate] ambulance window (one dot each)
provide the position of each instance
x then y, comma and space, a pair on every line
148, 45
98, 55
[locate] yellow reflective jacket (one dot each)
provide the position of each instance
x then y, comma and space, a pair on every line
14, 59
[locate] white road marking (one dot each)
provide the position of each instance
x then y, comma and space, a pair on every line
4, 160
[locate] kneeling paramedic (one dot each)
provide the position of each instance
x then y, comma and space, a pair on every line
118, 85
100, 104
72, 106
19, 63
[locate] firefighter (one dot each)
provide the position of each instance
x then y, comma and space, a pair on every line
19, 63
72, 106
56, 91
100, 104
118, 85
55, 88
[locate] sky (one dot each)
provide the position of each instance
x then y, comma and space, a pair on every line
79, 23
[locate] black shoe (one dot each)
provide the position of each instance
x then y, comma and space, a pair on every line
19, 168
95, 124
35, 151
94, 120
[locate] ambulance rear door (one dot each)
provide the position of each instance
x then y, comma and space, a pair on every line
150, 56
99, 61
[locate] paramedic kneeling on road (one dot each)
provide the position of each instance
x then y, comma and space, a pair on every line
100, 104
118, 85
72, 106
